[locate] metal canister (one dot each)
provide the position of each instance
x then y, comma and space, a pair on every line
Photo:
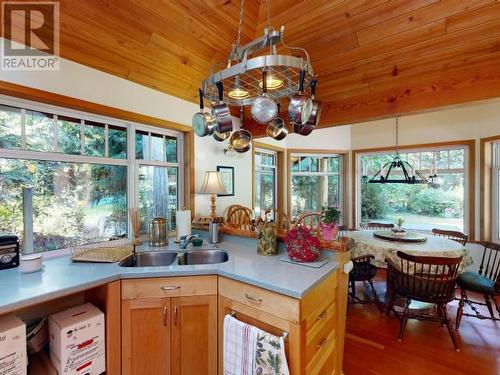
158, 231
213, 232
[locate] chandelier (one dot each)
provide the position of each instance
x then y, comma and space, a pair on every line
407, 173
257, 76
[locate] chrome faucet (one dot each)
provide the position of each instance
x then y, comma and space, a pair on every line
185, 240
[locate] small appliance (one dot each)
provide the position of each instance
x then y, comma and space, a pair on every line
9, 252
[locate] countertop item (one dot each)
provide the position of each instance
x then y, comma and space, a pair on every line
61, 277
31, 263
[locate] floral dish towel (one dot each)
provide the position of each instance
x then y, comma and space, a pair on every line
270, 358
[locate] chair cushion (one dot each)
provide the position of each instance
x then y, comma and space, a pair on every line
475, 282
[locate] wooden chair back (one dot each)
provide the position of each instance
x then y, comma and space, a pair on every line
456, 236
281, 218
376, 226
362, 268
427, 279
239, 217
311, 220
490, 263
342, 230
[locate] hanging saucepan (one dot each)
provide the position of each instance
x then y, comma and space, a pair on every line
264, 109
277, 128
203, 123
219, 137
300, 106
316, 106
222, 113
241, 140
303, 129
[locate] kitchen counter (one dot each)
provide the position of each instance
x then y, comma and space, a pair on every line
61, 277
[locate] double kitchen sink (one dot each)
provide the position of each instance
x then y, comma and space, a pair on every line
162, 258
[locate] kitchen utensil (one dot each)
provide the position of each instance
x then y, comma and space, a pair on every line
241, 141
9, 252
264, 109
277, 128
300, 106
303, 129
158, 232
214, 232
222, 113
220, 137
31, 263
316, 106
203, 123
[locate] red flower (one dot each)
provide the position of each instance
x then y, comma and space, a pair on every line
302, 246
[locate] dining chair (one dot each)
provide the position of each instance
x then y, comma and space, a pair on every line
485, 282
456, 236
363, 271
424, 279
376, 226
312, 221
239, 217
281, 218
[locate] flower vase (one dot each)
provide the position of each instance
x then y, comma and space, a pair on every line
329, 231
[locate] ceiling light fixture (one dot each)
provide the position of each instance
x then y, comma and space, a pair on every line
238, 92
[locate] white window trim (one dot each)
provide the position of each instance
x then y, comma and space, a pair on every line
420, 149
495, 176
275, 171
340, 174
130, 161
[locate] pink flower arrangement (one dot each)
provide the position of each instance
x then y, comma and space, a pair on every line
302, 246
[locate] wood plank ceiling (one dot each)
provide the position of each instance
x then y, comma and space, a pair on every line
374, 58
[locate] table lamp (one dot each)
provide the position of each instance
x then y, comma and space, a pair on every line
212, 184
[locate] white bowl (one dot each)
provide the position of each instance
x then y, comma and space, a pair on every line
31, 263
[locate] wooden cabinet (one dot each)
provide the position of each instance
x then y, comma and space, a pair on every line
169, 326
194, 335
146, 336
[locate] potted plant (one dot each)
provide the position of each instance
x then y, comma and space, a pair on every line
330, 218
399, 231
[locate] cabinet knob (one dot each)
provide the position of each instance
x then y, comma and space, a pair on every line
322, 343
252, 298
170, 288
323, 315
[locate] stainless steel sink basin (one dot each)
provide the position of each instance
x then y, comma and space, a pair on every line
149, 259
203, 257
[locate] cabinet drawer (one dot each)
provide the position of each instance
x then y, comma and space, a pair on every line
321, 349
316, 323
169, 287
276, 304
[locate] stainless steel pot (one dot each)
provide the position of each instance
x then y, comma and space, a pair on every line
203, 123
303, 129
241, 140
277, 128
221, 112
264, 109
220, 137
158, 231
316, 106
300, 106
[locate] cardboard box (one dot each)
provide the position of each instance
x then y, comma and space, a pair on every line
13, 357
77, 341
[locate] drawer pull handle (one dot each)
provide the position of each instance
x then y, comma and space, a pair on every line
165, 314
322, 343
175, 315
251, 298
169, 288
323, 315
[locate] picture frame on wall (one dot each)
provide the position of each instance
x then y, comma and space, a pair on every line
227, 177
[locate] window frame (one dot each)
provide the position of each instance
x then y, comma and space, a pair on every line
469, 175
343, 167
275, 174
130, 161
495, 192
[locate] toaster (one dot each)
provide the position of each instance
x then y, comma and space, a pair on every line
9, 252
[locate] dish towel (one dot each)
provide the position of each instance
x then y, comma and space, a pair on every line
240, 343
270, 358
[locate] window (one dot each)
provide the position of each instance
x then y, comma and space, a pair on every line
495, 177
316, 182
422, 206
265, 181
67, 178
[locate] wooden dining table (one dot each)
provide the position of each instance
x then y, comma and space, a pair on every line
366, 243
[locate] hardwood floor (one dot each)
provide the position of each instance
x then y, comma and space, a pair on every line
371, 346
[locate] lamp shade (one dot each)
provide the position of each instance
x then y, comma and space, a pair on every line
212, 184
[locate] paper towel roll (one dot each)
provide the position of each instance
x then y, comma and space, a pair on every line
183, 220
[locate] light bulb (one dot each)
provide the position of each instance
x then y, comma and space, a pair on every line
272, 83
238, 93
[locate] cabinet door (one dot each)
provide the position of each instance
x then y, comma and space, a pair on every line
194, 335
146, 337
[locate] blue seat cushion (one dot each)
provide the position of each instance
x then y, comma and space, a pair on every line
476, 283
